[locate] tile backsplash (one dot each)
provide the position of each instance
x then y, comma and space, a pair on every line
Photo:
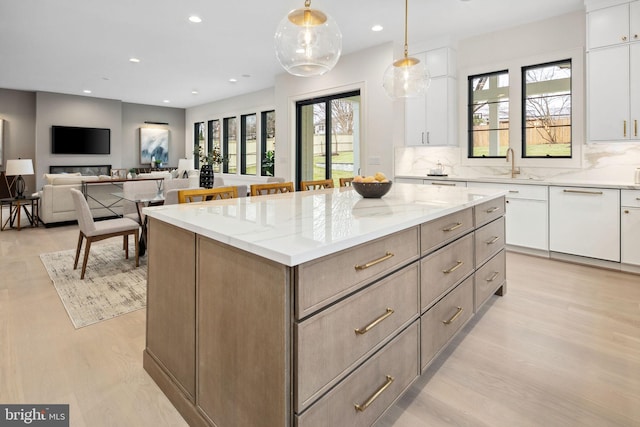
604, 162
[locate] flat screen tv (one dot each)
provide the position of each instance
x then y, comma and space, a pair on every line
79, 140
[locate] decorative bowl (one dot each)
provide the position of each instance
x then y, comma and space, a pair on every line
371, 190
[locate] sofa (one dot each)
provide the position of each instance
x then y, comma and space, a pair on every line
56, 204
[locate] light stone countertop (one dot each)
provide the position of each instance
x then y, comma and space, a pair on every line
530, 181
294, 228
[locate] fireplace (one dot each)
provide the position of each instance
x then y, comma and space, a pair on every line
84, 170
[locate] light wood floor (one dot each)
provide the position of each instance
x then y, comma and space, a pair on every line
561, 349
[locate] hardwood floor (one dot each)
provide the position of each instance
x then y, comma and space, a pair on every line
561, 349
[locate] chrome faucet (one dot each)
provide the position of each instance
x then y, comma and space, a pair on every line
514, 172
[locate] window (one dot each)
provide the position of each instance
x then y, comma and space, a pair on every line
198, 141
213, 139
546, 110
248, 144
230, 144
268, 143
488, 114
328, 137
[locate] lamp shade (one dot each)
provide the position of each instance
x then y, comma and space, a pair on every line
19, 167
308, 42
185, 165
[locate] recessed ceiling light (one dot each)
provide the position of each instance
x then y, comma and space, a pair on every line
195, 19
232, 80
246, 76
166, 101
135, 60
377, 28
86, 91
194, 92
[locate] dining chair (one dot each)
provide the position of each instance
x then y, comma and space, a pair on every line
94, 231
346, 182
272, 188
316, 185
202, 194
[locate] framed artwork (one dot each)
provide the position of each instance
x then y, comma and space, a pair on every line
154, 143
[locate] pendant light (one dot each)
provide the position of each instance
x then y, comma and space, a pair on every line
406, 77
308, 42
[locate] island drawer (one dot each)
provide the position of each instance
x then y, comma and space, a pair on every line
374, 386
443, 320
441, 270
331, 343
436, 233
489, 240
488, 211
327, 279
489, 278
630, 198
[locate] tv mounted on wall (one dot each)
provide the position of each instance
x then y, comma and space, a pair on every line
79, 140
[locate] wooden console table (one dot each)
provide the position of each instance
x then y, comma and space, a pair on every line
15, 212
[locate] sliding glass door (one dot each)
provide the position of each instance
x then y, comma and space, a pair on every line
328, 137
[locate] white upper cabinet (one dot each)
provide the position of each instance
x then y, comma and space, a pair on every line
609, 26
613, 81
430, 120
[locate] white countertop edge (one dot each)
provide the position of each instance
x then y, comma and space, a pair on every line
293, 259
532, 181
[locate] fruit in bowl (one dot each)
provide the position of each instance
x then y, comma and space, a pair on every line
371, 187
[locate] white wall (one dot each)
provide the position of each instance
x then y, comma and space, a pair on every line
362, 70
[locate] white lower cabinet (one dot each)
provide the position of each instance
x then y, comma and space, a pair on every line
585, 221
630, 227
527, 216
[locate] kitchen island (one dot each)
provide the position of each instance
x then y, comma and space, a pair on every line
313, 308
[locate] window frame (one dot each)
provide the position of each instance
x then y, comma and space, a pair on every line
523, 122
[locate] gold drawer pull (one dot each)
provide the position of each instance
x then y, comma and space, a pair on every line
514, 191
583, 192
493, 277
624, 127
455, 316
453, 227
374, 262
362, 331
454, 268
443, 183
492, 209
492, 241
375, 395
635, 128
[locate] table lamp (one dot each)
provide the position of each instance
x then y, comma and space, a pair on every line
184, 166
18, 168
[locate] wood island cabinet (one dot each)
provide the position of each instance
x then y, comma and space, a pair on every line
236, 339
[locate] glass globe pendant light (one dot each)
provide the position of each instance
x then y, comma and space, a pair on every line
308, 42
406, 77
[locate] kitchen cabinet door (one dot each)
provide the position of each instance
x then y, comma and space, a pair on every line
527, 223
630, 235
429, 120
608, 26
585, 222
608, 87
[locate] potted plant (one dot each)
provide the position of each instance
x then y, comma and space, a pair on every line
132, 172
207, 160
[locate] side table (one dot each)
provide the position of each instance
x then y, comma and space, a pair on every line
15, 205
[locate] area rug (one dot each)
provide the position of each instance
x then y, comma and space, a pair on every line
112, 285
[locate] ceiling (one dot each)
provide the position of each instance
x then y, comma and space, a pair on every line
68, 46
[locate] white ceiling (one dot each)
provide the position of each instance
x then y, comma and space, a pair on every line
67, 46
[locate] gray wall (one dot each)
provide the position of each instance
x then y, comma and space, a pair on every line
18, 110
123, 119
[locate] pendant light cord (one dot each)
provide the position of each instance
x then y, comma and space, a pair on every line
406, 14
